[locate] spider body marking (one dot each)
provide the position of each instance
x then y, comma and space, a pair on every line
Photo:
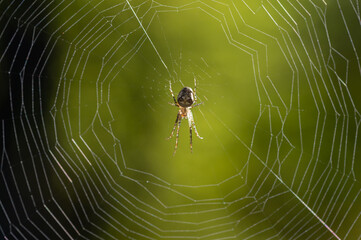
185, 97
186, 100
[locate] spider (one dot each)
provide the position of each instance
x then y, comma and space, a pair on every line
185, 101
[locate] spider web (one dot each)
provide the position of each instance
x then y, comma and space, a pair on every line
85, 116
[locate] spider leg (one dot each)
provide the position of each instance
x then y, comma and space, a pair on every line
190, 116
177, 136
190, 131
195, 129
195, 90
197, 104
175, 124
172, 104
171, 91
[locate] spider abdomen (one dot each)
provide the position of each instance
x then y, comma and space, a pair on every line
185, 97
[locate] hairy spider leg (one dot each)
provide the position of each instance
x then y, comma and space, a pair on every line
195, 129
190, 128
196, 104
177, 136
175, 124
190, 116
195, 94
195, 90
171, 91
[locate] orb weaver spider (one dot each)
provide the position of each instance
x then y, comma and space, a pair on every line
185, 101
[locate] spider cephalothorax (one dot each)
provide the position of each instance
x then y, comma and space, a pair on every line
185, 100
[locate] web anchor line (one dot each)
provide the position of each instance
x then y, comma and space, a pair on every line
150, 40
281, 181
304, 204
